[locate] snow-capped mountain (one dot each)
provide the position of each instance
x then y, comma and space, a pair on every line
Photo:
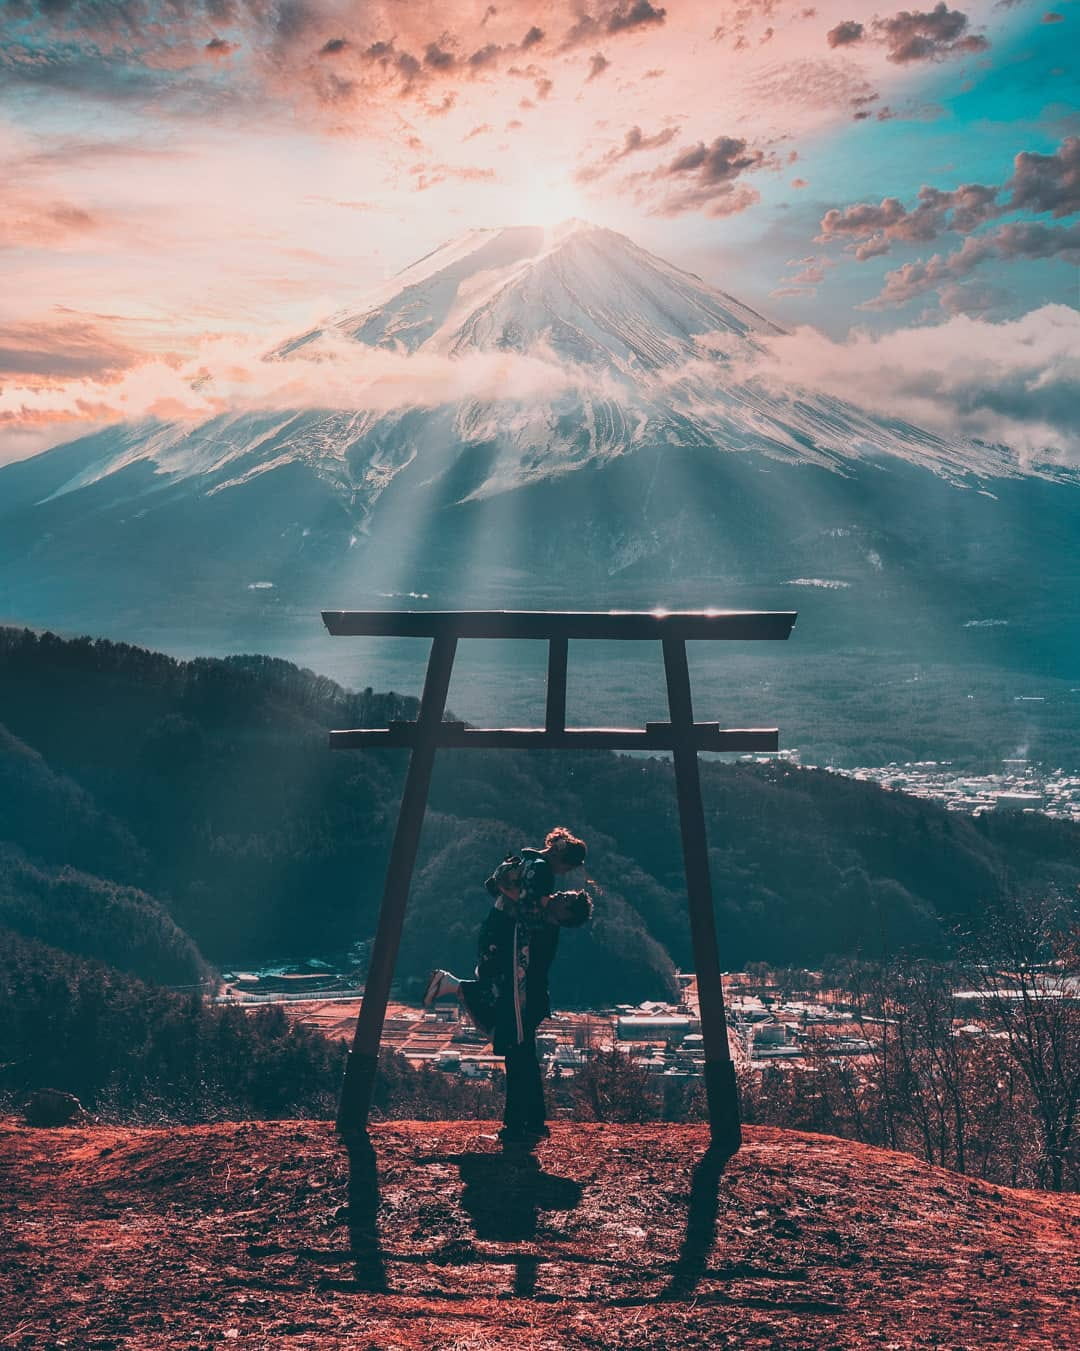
590, 294
637, 352
523, 414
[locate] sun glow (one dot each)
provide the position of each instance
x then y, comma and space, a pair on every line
548, 202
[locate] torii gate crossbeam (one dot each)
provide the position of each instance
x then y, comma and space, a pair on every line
681, 735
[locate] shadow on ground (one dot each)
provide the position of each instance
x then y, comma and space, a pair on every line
505, 1194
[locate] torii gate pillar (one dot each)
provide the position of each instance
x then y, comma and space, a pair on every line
721, 1092
682, 736
363, 1060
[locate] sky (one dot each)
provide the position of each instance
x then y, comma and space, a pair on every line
191, 181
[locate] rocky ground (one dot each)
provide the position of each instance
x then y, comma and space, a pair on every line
264, 1235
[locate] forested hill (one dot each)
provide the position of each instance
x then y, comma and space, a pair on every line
141, 796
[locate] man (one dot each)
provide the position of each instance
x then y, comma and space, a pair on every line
509, 998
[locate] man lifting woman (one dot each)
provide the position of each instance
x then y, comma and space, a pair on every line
508, 999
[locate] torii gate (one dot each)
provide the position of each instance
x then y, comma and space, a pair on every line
682, 736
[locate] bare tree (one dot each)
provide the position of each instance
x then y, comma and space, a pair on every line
1025, 968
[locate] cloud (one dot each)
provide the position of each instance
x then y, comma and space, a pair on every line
402, 64
970, 298
634, 142
39, 355
626, 17
805, 282
915, 279
484, 56
962, 209
1032, 239
598, 63
30, 220
218, 49
706, 177
1039, 183
874, 247
638, 14
845, 33
431, 175
1047, 182
928, 35
914, 35
1020, 239
439, 58
26, 431
106, 48
229, 375
1015, 383
157, 53
742, 20
812, 274
911, 112
821, 85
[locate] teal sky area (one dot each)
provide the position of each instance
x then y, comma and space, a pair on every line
1023, 95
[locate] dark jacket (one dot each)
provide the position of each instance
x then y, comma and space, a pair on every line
509, 998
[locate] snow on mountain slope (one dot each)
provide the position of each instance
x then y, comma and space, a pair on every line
650, 355
589, 294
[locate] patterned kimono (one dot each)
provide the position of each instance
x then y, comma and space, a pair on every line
509, 998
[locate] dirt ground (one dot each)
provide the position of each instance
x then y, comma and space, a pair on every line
266, 1235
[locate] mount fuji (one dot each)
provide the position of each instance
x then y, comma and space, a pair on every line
535, 417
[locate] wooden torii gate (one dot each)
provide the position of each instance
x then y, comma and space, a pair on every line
681, 735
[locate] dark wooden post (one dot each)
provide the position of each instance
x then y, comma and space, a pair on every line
363, 1059
555, 715
720, 1088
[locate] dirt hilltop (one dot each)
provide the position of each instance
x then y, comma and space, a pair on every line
259, 1234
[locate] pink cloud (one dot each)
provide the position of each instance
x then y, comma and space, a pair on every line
32, 221
43, 354
93, 379
703, 178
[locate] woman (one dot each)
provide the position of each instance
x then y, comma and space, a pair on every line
509, 997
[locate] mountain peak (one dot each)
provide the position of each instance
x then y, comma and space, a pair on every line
574, 225
586, 292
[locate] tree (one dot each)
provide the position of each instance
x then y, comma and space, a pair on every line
610, 1087
1025, 968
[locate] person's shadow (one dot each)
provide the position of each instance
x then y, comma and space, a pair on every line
504, 1196
505, 1193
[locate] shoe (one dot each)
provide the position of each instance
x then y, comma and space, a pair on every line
516, 1135
434, 987
523, 1135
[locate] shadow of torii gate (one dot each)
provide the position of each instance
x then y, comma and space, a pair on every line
682, 736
